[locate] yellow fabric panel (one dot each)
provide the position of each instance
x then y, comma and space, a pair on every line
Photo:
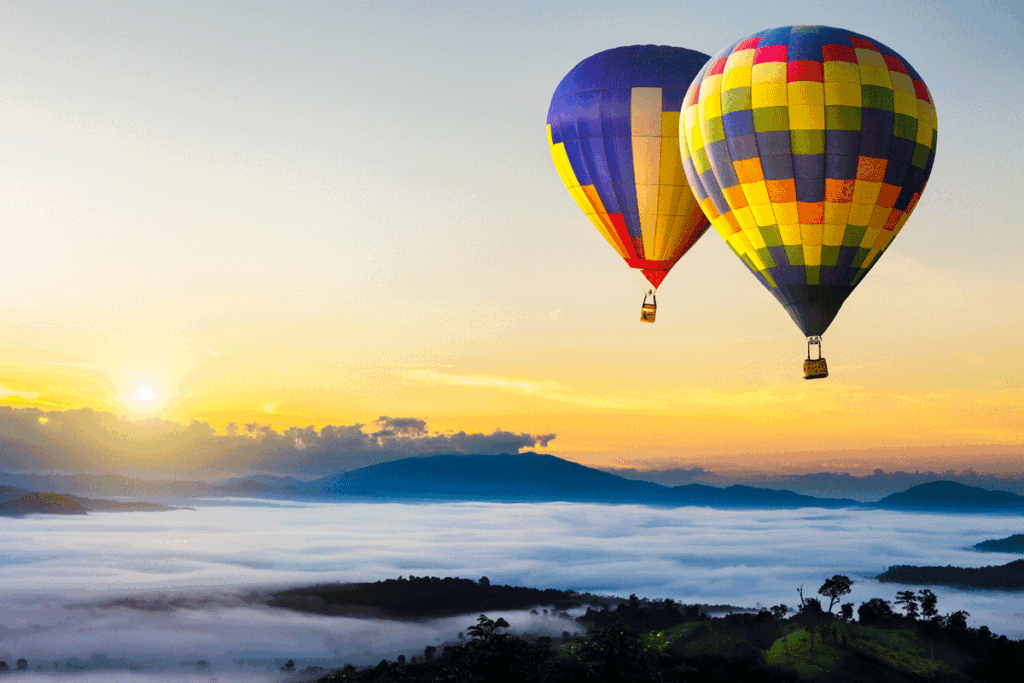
736, 77
660, 250
669, 124
740, 58
837, 213
879, 216
786, 212
810, 234
866, 56
832, 234
790, 233
710, 103
904, 102
902, 82
806, 93
649, 227
670, 171
807, 116
668, 196
812, 254
755, 237
769, 95
763, 214
884, 238
756, 193
841, 72
872, 74
925, 123
866, 192
708, 207
745, 218
768, 72
591, 204
645, 111
646, 159
847, 94
860, 214
745, 248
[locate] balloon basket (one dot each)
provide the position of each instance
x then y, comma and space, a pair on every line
649, 310
815, 368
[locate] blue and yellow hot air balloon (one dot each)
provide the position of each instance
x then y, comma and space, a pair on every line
613, 130
808, 147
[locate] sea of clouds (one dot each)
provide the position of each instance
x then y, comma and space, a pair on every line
57, 574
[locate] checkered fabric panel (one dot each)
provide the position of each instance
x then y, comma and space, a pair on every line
808, 147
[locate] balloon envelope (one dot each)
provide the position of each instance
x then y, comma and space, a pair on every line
808, 147
613, 129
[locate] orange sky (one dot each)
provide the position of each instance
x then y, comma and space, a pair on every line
199, 220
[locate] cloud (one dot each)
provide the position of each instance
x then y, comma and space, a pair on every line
549, 389
9, 394
88, 440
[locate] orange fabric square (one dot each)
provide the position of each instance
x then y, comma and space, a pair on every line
748, 170
839, 191
811, 213
781, 190
734, 195
894, 218
888, 195
709, 209
730, 220
871, 169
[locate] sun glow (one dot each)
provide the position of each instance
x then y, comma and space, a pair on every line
144, 393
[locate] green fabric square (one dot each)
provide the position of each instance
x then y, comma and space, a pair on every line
795, 254
807, 141
767, 119
905, 127
702, 161
736, 99
853, 235
876, 97
813, 274
920, 156
858, 259
771, 235
829, 255
842, 117
766, 257
715, 130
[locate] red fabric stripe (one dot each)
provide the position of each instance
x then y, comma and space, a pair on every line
748, 44
622, 233
718, 68
895, 64
838, 53
862, 43
922, 92
770, 53
696, 95
804, 70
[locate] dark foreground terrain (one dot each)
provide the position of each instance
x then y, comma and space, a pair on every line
662, 641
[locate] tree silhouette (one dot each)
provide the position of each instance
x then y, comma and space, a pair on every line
909, 601
835, 588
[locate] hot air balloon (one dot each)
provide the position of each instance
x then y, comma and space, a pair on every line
612, 129
808, 147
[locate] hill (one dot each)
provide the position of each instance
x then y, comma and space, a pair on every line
1006, 577
48, 503
535, 477
1010, 544
949, 495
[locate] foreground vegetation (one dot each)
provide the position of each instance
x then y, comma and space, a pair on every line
662, 641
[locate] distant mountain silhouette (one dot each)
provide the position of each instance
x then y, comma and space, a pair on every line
536, 477
949, 495
1010, 544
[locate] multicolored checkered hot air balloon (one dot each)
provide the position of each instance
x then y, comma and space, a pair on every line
612, 128
808, 147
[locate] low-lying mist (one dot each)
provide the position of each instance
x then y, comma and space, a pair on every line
59, 573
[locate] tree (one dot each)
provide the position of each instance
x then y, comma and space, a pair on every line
958, 620
846, 610
875, 611
484, 581
780, 611
428, 652
929, 603
909, 601
835, 588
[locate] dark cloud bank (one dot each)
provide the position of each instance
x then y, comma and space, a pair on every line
87, 440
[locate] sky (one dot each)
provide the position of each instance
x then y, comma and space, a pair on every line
294, 215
